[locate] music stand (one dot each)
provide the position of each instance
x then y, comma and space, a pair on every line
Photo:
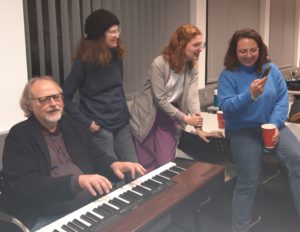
216, 151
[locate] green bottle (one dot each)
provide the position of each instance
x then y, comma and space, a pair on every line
216, 97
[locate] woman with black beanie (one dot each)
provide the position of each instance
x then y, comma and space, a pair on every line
98, 75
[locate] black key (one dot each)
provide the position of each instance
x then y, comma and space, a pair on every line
74, 226
177, 169
148, 184
140, 189
121, 200
68, 229
115, 203
160, 179
154, 183
119, 203
100, 226
128, 197
133, 194
79, 223
168, 173
101, 212
104, 209
109, 208
87, 219
144, 184
93, 217
165, 177
151, 184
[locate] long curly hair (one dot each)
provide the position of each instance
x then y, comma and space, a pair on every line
174, 52
97, 51
231, 61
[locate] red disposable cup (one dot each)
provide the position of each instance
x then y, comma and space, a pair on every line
220, 118
268, 131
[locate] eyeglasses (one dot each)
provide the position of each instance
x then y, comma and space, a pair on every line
114, 32
203, 45
46, 100
200, 46
244, 52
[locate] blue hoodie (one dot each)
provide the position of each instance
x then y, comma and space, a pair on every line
240, 110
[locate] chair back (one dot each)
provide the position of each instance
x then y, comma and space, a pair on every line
7, 222
2, 200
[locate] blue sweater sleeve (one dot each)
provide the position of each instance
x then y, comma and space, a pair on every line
231, 101
73, 83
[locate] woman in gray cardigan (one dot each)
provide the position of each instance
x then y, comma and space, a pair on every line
169, 99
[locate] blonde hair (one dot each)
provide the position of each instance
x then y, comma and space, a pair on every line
26, 94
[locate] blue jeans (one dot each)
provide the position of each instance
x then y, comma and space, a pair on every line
247, 149
118, 144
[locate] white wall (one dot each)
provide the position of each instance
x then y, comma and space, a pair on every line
198, 18
13, 68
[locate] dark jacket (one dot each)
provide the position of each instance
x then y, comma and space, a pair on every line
26, 166
102, 97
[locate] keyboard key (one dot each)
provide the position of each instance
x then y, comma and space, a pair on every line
75, 227
67, 229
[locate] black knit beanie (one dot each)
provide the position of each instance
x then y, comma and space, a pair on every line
98, 22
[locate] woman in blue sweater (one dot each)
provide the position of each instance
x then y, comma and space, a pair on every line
248, 100
98, 75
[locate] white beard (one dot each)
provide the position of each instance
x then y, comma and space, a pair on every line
53, 118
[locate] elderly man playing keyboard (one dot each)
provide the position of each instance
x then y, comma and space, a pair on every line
51, 165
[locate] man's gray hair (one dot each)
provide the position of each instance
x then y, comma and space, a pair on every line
26, 95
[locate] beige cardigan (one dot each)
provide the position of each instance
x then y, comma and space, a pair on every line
143, 107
